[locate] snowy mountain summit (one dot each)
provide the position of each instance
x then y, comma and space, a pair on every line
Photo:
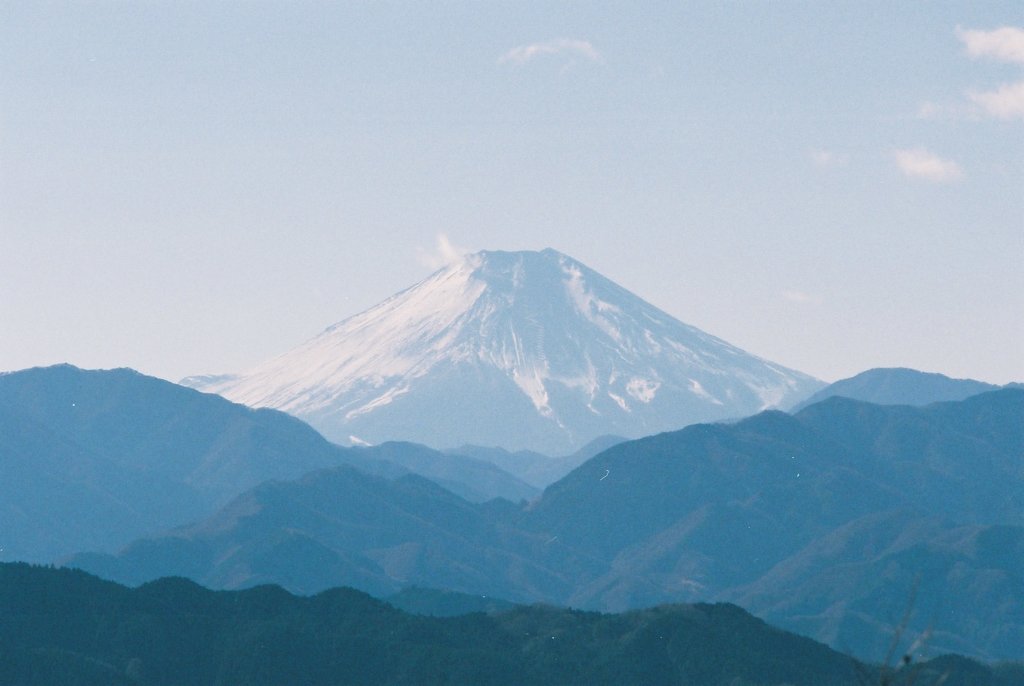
515, 349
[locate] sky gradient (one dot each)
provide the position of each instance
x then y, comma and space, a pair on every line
195, 187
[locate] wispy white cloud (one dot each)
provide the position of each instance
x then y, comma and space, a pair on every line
442, 254
522, 54
801, 297
924, 164
1005, 44
932, 110
1006, 102
827, 158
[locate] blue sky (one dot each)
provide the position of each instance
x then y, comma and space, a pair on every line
195, 187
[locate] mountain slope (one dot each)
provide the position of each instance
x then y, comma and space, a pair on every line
471, 478
837, 587
525, 350
102, 457
899, 386
960, 460
710, 509
344, 527
776, 511
95, 459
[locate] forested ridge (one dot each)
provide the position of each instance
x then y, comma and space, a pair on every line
65, 626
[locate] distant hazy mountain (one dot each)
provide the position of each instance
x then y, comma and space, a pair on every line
742, 496
94, 459
535, 469
777, 511
705, 511
900, 386
102, 457
465, 475
345, 527
523, 350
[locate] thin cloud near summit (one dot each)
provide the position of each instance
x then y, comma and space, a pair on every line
443, 253
522, 54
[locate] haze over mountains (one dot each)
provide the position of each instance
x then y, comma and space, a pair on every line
522, 350
773, 511
823, 521
100, 457
94, 459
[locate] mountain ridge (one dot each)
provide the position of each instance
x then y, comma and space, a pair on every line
174, 631
900, 386
710, 512
98, 458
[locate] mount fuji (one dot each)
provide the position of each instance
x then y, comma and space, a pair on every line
523, 350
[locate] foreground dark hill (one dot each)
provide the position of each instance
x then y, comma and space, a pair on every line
900, 386
95, 459
776, 511
172, 631
433, 602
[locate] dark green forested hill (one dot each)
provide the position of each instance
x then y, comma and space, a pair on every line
62, 626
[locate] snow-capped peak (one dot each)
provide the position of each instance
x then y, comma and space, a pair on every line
536, 339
